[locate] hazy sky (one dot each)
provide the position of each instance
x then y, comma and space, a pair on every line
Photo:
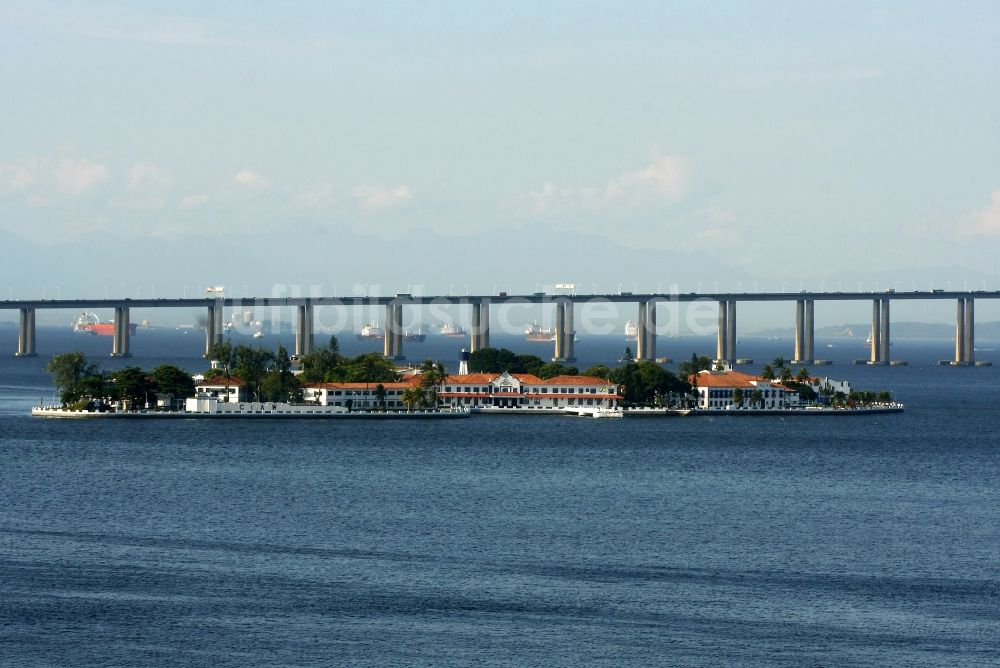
748, 143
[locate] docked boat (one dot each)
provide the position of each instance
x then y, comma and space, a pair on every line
452, 330
371, 332
89, 323
535, 333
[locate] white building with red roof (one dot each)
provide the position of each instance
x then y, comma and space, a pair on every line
359, 396
718, 390
494, 391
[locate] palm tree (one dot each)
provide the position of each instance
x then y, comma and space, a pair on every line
767, 373
779, 362
786, 374
803, 375
432, 376
380, 396
411, 396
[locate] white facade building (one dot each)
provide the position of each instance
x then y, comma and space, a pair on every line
526, 391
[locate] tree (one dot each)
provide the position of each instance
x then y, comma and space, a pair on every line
757, 398
323, 364
767, 373
172, 383
72, 374
279, 384
553, 369
432, 376
371, 368
779, 362
133, 386
251, 364
598, 371
221, 352
380, 396
412, 396
785, 374
803, 375
738, 397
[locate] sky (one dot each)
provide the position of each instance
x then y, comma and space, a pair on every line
160, 147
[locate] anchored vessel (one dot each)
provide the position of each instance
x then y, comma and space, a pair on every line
535, 333
89, 323
371, 332
452, 330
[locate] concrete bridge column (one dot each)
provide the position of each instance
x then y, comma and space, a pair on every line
799, 353
884, 338
569, 334
720, 338
304, 336
560, 341
960, 333
397, 331
640, 333
120, 339
876, 333
389, 338
731, 330
651, 330
480, 335
969, 340
26, 334
213, 327
809, 332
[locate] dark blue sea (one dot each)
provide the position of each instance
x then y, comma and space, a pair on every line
506, 541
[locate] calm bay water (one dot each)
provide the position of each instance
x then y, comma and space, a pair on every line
506, 541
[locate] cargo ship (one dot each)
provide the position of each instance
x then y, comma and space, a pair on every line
535, 333
89, 323
452, 330
371, 332
416, 336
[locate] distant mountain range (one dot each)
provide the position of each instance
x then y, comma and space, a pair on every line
899, 330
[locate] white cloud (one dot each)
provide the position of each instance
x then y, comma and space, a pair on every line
143, 176
987, 221
314, 199
664, 178
22, 176
193, 201
374, 197
76, 176
251, 179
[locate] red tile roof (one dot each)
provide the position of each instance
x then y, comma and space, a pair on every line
577, 380
234, 381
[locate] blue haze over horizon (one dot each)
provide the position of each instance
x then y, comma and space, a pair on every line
163, 147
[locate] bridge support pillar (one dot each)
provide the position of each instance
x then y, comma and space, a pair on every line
883, 338
304, 335
645, 339
120, 339
565, 332
805, 332
722, 333
965, 333
731, 330
213, 327
876, 334
480, 335
26, 334
640, 332
392, 347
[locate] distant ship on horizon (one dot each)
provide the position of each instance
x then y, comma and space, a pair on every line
89, 323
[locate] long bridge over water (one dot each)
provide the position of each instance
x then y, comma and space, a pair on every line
646, 306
